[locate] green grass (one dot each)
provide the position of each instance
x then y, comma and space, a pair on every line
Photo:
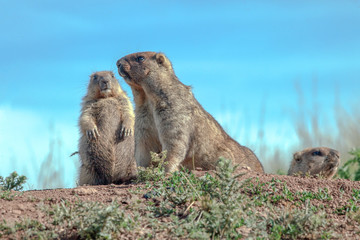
91, 220
214, 208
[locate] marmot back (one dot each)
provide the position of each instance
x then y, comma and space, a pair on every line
106, 145
168, 117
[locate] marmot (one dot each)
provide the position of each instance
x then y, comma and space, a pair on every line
106, 145
168, 117
321, 160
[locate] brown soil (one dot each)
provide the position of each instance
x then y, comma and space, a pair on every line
28, 204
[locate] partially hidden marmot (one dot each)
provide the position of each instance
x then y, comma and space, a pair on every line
321, 161
168, 117
106, 145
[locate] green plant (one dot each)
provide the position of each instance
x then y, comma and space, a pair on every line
156, 171
5, 229
12, 182
295, 224
32, 229
222, 213
7, 195
322, 194
200, 207
352, 204
91, 220
347, 170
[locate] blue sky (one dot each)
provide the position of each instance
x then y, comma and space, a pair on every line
238, 55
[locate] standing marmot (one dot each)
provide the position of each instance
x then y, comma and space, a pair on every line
322, 160
168, 117
106, 123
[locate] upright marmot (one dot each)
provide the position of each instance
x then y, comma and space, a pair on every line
322, 161
106, 146
168, 117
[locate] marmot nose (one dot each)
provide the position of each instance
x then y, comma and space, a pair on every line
104, 84
118, 63
121, 68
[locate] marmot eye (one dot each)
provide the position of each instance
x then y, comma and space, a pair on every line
316, 153
140, 58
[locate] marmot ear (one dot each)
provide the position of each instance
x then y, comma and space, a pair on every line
296, 157
163, 60
93, 77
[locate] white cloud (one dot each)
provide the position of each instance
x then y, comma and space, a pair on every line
25, 139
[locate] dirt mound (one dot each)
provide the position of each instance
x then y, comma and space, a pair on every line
339, 199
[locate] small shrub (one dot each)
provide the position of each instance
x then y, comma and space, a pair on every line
295, 224
91, 220
33, 229
156, 171
12, 182
347, 170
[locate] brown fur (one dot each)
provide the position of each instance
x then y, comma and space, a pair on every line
168, 117
106, 146
321, 161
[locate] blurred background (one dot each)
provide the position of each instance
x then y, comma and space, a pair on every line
279, 76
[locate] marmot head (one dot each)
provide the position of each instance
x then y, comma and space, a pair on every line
321, 160
134, 68
102, 85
